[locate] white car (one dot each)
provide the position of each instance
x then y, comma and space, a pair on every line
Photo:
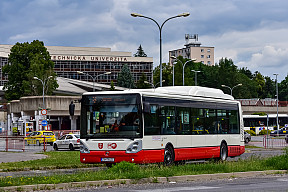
68, 141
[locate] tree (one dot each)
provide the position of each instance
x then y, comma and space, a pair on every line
260, 81
28, 60
125, 78
166, 75
283, 89
140, 52
112, 87
141, 83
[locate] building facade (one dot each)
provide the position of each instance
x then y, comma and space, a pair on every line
194, 50
94, 61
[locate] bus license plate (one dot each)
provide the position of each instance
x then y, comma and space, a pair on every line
107, 159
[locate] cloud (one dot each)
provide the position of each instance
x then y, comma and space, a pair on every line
252, 33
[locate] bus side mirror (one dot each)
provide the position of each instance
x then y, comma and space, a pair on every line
71, 108
146, 108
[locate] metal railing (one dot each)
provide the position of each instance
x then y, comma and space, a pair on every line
272, 142
19, 143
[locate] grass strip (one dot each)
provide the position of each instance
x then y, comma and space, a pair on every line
126, 170
54, 160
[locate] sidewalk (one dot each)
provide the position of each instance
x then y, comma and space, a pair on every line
6, 157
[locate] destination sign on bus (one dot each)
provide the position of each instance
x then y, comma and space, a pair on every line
111, 99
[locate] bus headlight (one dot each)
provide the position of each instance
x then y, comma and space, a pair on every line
134, 147
84, 149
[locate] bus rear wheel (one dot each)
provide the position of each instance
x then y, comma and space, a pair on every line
169, 155
223, 152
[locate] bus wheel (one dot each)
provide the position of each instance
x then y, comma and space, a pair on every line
223, 152
169, 155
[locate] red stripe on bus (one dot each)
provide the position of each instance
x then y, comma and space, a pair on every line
156, 156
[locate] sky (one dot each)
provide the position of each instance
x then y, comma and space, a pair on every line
253, 33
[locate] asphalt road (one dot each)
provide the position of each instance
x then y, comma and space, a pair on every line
259, 183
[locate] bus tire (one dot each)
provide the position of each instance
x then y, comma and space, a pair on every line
169, 155
223, 152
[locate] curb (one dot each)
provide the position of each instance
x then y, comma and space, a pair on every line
100, 183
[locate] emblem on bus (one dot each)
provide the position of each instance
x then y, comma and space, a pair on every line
112, 146
100, 145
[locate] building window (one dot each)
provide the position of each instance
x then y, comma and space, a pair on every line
202, 50
208, 56
202, 56
208, 50
209, 62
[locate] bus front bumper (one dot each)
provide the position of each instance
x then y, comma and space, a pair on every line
151, 156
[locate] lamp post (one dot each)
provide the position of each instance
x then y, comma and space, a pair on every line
196, 75
183, 66
93, 78
174, 63
160, 31
43, 84
154, 86
231, 89
277, 123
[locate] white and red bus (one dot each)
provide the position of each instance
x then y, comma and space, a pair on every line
166, 124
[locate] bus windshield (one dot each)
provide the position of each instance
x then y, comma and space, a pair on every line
110, 116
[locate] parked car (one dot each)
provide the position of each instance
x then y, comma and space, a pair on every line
37, 138
247, 137
68, 141
282, 132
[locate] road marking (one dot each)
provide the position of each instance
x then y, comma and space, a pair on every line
178, 189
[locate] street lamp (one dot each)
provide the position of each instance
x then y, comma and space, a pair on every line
231, 89
93, 78
174, 63
43, 84
160, 31
196, 75
183, 65
277, 123
154, 86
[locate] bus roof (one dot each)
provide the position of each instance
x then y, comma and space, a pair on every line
194, 91
265, 116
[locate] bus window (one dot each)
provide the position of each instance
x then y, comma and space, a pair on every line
151, 121
183, 121
233, 122
223, 122
212, 126
197, 121
167, 120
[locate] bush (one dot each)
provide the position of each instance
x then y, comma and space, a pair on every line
124, 167
260, 113
252, 133
264, 132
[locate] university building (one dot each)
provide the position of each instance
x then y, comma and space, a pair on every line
194, 50
94, 61
68, 60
